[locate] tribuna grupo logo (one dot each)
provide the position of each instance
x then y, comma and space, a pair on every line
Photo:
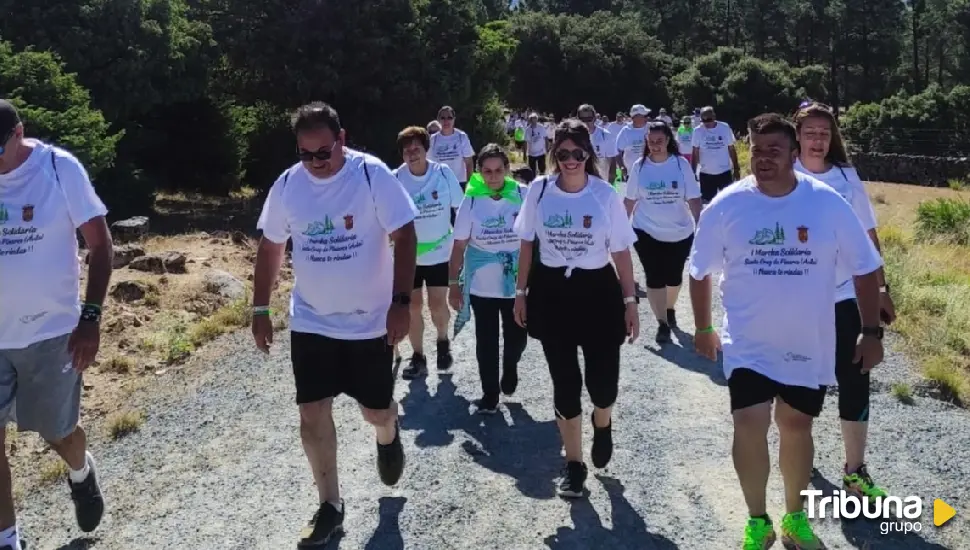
899, 514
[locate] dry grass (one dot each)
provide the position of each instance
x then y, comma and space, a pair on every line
52, 470
124, 423
930, 281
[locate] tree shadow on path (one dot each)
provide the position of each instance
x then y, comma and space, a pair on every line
686, 358
865, 534
629, 530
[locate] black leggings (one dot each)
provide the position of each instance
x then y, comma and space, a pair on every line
602, 366
538, 165
853, 385
487, 312
663, 262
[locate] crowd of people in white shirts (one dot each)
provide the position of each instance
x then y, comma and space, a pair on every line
550, 258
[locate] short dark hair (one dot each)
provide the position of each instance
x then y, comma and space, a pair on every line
315, 116
493, 151
447, 109
413, 134
773, 123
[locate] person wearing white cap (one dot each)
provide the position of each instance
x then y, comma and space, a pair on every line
629, 143
662, 115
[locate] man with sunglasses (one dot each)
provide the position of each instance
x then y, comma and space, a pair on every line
47, 336
452, 147
604, 143
713, 150
351, 301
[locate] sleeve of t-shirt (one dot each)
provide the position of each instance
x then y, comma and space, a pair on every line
728, 134
695, 138
466, 150
83, 204
454, 188
525, 222
273, 220
692, 189
707, 252
609, 145
860, 200
856, 250
620, 140
621, 236
633, 181
463, 220
394, 206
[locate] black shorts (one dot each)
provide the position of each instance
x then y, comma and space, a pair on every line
711, 184
663, 262
538, 164
431, 276
327, 367
749, 388
853, 384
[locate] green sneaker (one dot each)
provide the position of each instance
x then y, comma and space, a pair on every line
797, 534
759, 534
860, 484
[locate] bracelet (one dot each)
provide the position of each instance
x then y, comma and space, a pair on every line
630, 300
453, 282
262, 310
520, 292
707, 330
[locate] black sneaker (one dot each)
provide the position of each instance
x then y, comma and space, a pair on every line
487, 405
663, 333
88, 502
417, 367
23, 545
390, 459
326, 523
444, 356
602, 444
639, 291
573, 481
510, 379
672, 318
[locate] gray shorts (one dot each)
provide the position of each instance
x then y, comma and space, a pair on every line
39, 390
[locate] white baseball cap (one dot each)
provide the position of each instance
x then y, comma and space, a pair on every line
639, 110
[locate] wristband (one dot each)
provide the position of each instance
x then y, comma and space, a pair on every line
262, 310
91, 313
453, 282
707, 330
630, 300
520, 292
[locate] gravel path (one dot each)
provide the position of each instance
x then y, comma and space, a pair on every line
218, 464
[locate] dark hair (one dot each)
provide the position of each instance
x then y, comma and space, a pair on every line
586, 107
574, 130
493, 151
661, 126
837, 154
772, 123
447, 109
413, 134
315, 116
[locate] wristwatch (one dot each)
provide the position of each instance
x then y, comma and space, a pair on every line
873, 331
402, 299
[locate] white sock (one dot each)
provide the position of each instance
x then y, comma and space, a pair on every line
77, 476
338, 506
10, 537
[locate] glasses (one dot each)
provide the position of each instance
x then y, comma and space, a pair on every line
809, 103
6, 138
564, 155
322, 154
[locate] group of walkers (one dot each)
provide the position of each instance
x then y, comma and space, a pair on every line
549, 259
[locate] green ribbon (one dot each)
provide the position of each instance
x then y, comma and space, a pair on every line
424, 248
477, 187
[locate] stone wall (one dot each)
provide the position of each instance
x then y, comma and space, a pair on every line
914, 169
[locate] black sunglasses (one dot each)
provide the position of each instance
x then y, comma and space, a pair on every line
322, 154
563, 155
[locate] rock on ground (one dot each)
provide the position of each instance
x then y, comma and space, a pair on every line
131, 229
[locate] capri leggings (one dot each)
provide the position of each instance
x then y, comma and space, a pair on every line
602, 374
663, 262
853, 385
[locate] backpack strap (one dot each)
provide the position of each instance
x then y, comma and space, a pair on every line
366, 173
54, 165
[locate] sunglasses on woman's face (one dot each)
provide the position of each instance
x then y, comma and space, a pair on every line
565, 155
322, 154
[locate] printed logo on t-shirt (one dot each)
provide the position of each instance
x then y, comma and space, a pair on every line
18, 240
771, 258
27, 212
673, 184
4, 214
587, 222
559, 221
768, 236
494, 222
434, 195
802, 234
322, 245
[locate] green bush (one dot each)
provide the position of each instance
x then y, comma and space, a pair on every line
946, 218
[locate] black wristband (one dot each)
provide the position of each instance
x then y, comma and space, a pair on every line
91, 313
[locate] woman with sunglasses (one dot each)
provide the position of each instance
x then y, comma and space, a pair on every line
572, 298
451, 147
482, 272
822, 155
435, 192
664, 198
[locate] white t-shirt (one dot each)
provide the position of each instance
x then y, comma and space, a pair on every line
713, 144
550, 130
779, 257
630, 143
576, 230
453, 150
535, 140
604, 144
685, 142
695, 121
614, 129
487, 224
40, 274
342, 264
666, 119
434, 194
662, 191
848, 184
